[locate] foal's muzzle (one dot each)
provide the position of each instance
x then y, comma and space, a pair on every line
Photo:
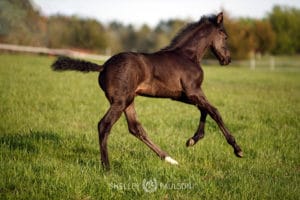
224, 58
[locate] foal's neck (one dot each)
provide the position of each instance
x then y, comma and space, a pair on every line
195, 47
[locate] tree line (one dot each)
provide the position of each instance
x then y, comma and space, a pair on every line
21, 23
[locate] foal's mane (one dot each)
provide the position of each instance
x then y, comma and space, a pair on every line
189, 30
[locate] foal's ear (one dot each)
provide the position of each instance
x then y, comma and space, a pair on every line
220, 18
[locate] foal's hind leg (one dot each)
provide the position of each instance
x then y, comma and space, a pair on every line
200, 131
138, 131
104, 127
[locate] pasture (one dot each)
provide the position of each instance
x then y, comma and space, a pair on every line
49, 142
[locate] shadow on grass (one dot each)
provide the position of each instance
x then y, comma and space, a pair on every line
29, 142
77, 150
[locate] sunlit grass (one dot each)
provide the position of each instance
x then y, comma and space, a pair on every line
49, 143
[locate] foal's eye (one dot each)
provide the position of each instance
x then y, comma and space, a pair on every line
221, 32
224, 35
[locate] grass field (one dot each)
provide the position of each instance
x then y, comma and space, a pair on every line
49, 143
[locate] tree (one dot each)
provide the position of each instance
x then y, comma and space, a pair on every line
20, 23
249, 36
264, 36
241, 39
59, 33
165, 31
114, 37
285, 22
145, 39
73, 32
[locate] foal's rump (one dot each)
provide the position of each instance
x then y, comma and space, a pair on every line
121, 74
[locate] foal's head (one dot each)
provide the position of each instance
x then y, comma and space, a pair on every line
218, 45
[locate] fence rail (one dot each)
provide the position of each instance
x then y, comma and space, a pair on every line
49, 51
270, 62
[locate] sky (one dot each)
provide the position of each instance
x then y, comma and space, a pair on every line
150, 12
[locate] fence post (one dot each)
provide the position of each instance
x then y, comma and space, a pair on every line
272, 63
252, 63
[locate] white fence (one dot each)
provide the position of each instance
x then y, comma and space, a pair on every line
48, 51
267, 62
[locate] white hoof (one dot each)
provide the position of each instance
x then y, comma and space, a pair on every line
171, 160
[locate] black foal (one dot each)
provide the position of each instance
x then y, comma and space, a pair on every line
173, 72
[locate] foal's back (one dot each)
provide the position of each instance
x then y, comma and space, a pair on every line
161, 74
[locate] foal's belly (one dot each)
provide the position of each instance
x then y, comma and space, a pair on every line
157, 89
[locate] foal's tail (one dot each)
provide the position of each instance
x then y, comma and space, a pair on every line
66, 63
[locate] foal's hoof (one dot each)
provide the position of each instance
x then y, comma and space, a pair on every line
190, 142
239, 153
171, 160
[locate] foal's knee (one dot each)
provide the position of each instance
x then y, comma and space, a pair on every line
214, 113
136, 130
133, 128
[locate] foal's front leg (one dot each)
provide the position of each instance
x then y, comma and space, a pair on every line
200, 100
200, 131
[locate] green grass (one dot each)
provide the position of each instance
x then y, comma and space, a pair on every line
49, 143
